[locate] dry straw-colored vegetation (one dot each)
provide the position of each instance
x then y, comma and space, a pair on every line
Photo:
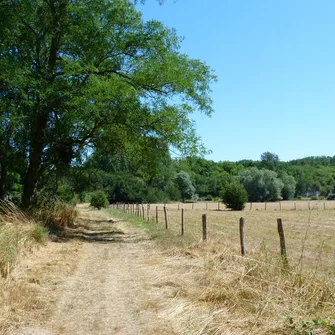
19, 236
231, 294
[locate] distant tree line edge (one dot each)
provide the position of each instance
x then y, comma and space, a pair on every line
126, 178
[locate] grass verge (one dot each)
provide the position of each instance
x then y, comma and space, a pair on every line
164, 237
18, 235
229, 294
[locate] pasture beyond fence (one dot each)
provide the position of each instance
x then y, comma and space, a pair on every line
301, 233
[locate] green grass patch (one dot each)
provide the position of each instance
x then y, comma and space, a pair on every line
164, 237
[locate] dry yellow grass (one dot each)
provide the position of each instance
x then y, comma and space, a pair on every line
221, 292
310, 234
19, 236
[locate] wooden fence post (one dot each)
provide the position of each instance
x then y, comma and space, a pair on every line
166, 217
157, 214
309, 205
148, 213
143, 216
218, 205
192, 205
282, 242
204, 227
182, 221
280, 205
242, 235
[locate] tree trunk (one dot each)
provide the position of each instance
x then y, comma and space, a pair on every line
3, 180
38, 140
35, 158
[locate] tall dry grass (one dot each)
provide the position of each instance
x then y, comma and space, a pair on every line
19, 234
221, 292
55, 215
252, 295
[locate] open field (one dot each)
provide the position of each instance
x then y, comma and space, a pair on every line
310, 234
221, 292
279, 205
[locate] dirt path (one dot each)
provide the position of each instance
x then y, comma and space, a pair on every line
106, 289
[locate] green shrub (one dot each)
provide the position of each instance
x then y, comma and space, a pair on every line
234, 196
208, 197
99, 199
39, 233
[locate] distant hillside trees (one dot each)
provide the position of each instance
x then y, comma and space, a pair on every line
289, 182
261, 185
185, 186
269, 160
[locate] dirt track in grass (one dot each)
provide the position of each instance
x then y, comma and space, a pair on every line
99, 283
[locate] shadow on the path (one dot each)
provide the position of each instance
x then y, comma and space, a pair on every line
101, 231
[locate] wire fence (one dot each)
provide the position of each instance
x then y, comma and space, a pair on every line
309, 234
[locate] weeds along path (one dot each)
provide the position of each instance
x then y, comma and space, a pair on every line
100, 285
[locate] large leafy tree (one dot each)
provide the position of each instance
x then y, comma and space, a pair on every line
289, 182
184, 183
82, 74
261, 185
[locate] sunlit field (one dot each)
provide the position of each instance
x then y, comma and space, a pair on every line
309, 229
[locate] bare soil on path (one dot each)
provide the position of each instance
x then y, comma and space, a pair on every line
107, 282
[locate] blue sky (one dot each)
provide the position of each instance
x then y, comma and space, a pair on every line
275, 62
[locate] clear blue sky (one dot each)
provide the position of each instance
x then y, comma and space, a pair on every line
275, 62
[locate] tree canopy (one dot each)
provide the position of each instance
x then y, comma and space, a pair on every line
185, 185
261, 185
80, 75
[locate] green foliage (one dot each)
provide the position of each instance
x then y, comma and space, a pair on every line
269, 160
288, 190
261, 185
39, 233
185, 185
317, 326
234, 196
99, 199
128, 178
88, 75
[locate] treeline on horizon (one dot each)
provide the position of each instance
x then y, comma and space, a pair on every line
150, 177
